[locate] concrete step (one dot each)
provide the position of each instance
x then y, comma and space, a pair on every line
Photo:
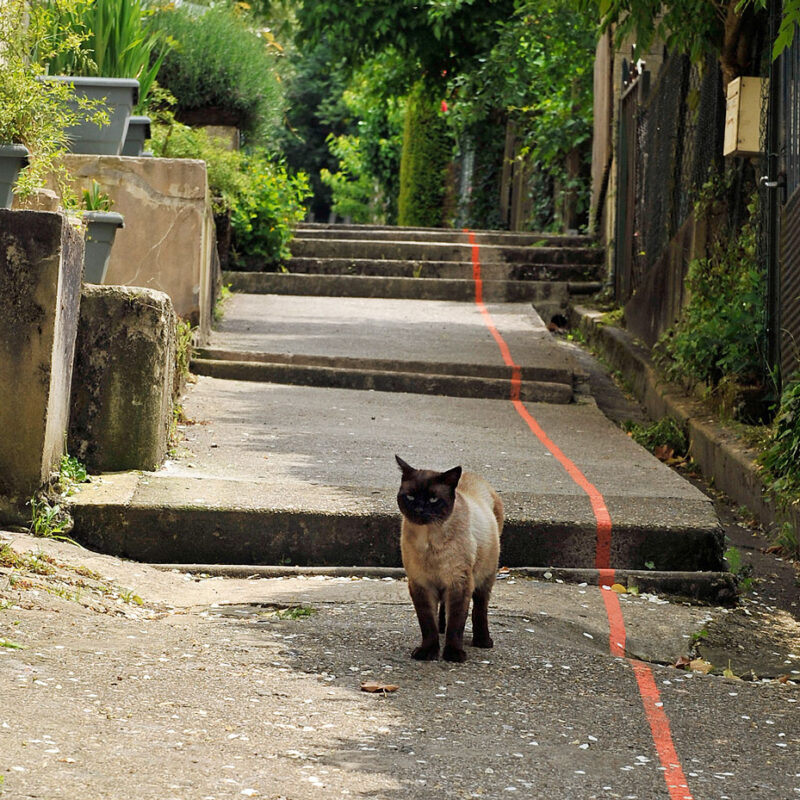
546, 293
414, 346
395, 250
543, 385
183, 519
462, 270
388, 233
271, 474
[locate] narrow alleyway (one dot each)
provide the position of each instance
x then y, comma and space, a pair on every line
127, 681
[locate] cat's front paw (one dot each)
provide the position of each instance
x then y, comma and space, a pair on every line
425, 652
451, 653
482, 641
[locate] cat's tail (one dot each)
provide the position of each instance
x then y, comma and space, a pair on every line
497, 510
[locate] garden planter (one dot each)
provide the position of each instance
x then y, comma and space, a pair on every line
119, 96
13, 157
101, 228
138, 133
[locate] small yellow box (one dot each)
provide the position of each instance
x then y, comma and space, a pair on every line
743, 117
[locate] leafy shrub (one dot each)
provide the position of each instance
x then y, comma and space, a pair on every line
264, 200
780, 462
721, 332
427, 149
220, 64
264, 216
780, 459
37, 113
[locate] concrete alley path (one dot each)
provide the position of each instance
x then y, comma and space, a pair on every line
284, 472
120, 682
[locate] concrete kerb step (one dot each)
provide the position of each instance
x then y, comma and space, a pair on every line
388, 232
552, 373
164, 519
441, 251
231, 365
715, 588
550, 293
463, 270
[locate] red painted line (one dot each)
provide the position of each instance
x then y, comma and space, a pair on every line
651, 700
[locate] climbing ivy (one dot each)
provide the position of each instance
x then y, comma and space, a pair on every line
427, 150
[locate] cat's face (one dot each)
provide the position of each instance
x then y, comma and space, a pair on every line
425, 496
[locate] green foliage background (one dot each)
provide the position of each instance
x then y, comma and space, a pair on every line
427, 149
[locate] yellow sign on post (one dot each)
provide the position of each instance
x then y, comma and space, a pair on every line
743, 117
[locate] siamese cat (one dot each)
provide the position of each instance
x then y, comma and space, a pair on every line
450, 543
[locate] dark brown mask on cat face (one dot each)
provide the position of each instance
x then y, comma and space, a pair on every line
426, 496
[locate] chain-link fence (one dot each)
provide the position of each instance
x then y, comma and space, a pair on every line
670, 136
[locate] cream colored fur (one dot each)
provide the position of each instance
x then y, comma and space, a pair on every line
462, 551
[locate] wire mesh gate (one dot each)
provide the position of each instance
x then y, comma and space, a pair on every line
789, 162
668, 139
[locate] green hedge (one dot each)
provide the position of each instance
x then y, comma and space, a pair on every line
218, 64
427, 150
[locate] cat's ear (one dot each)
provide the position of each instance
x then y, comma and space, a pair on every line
406, 469
451, 477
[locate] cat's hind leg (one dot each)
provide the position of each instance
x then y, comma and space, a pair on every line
480, 617
425, 605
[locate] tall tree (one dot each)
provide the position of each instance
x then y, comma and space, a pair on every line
436, 38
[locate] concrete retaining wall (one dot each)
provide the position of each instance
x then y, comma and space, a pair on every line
722, 457
41, 263
123, 378
168, 242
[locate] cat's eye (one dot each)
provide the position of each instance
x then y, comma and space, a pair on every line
410, 498
433, 499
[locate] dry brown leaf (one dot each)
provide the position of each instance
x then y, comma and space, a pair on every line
682, 662
374, 687
618, 588
701, 665
663, 452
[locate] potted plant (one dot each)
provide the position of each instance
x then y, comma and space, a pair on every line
101, 224
34, 115
112, 64
13, 158
138, 134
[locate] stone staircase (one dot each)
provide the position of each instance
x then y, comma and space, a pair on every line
371, 343
404, 264
430, 263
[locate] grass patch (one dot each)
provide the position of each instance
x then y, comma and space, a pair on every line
225, 294
743, 572
666, 433
295, 612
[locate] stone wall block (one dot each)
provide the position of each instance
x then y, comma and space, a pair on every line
123, 378
41, 265
168, 242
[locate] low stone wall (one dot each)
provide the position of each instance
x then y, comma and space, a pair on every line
123, 378
168, 242
722, 457
41, 263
